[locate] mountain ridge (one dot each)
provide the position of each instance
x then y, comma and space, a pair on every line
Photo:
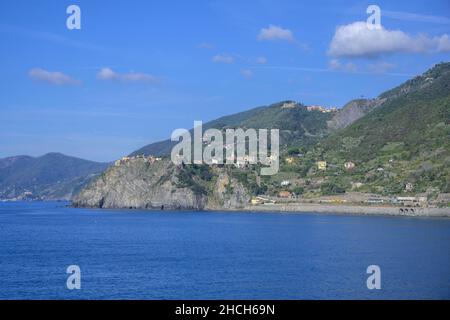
395, 144
52, 176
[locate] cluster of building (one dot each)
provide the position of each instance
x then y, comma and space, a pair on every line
410, 202
289, 105
321, 109
419, 201
150, 159
293, 104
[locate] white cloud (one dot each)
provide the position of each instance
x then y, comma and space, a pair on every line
356, 40
275, 33
107, 74
223, 58
55, 78
261, 60
246, 73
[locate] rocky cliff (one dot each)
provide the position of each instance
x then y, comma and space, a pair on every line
143, 184
353, 111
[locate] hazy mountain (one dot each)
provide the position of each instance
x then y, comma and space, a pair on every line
51, 176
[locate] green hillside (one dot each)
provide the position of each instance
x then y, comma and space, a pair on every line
297, 125
400, 138
406, 140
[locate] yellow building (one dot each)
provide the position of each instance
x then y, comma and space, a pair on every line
321, 165
290, 160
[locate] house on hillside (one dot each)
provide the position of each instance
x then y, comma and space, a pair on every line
289, 160
321, 165
409, 187
122, 161
285, 183
284, 194
349, 165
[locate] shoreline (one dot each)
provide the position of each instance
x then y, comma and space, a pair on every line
351, 210
309, 208
300, 208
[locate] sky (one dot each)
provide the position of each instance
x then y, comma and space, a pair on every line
137, 70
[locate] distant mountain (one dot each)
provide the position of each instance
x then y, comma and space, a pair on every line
51, 176
297, 125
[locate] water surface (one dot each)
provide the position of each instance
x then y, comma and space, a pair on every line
189, 255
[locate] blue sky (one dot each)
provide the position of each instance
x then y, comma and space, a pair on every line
136, 70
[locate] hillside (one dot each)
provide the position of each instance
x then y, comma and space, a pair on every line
395, 144
51, 176
406, 140
353, 111
297, 125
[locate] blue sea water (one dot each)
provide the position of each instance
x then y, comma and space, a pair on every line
125, 254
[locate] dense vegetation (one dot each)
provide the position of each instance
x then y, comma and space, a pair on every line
403, 140
297, 126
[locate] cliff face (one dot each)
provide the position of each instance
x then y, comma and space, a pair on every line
353, 111
143, 185
227, 193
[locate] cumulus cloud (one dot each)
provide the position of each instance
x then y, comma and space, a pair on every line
55, 77
107, 74
275, 33
356, 40
223, 58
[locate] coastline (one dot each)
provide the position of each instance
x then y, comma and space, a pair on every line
351, 209
300, 208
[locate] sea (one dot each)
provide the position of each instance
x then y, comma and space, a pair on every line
49, 250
